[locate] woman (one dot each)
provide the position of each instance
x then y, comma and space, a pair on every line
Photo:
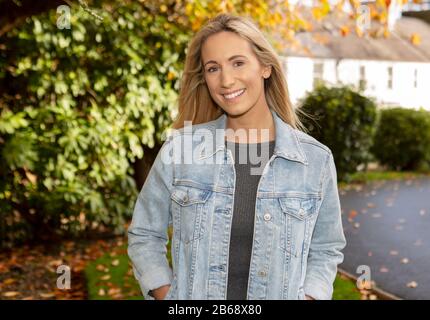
240, 231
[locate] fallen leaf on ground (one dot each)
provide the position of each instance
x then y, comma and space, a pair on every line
11, 294
9, 281
47, 295
100, 267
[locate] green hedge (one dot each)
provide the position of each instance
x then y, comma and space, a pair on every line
345, 121
402, 140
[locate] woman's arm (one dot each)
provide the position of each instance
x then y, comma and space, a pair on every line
147, 234
327, 240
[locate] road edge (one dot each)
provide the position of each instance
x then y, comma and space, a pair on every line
381, 293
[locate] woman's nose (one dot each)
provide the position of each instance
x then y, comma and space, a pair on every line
227, 80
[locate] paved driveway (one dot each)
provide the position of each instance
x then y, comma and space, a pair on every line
387, 227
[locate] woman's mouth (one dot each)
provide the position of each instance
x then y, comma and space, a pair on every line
234, 96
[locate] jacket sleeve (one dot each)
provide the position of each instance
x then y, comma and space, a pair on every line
147, 233
327, 240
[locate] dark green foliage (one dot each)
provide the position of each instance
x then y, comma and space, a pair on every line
344, 120
77, 106
402, 141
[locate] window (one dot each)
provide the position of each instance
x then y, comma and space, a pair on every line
416, 78
318, 73
362, 83
390, 78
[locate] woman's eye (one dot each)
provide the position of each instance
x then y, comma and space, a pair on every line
239, 63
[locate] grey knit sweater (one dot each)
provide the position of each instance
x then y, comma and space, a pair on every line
248, 173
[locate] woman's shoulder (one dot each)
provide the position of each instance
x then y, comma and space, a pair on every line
310, 144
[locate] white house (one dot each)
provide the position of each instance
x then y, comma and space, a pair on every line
392, 70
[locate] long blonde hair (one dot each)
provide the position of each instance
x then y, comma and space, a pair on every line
195, 102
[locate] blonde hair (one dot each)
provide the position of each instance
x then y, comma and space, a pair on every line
195, 102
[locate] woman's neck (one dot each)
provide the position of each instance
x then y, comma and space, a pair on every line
255, 129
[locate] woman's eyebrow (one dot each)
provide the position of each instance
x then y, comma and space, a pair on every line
229, 59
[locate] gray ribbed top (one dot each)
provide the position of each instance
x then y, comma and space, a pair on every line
248, 172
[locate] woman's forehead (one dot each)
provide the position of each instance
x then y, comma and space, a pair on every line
223, 46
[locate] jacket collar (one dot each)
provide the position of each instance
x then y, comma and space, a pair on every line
287, 143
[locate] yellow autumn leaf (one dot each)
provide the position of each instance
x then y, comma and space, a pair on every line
415, 39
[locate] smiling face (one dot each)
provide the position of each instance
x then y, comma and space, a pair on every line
233, 74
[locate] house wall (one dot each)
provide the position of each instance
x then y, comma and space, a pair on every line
300, 73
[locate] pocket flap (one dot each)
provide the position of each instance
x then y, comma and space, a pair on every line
186, 196
300, 208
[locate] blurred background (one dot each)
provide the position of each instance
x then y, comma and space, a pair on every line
87, 89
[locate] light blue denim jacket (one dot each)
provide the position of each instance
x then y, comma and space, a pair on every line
298, 234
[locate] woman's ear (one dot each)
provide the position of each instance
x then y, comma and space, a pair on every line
267, 72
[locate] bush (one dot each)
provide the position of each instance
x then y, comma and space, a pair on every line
345, 122
77, 108
402, 140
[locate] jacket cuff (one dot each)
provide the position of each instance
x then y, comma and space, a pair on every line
317, 290
153, 279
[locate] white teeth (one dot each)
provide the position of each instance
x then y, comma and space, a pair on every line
234, 95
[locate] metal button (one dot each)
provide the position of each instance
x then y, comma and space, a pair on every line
186, 198
267, 216
301, 212
262, 273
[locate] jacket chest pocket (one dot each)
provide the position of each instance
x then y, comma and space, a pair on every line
189, 204
298, 216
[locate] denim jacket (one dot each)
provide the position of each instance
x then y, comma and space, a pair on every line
298, 234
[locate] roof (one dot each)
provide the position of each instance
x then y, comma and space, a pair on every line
325, 41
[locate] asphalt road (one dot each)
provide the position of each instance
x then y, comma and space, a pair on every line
387, 227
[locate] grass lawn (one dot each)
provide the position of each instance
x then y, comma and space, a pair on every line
345, 289
378, 175
110, 277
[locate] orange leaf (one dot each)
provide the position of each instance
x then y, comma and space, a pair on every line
9, 281
352, 214
344, 31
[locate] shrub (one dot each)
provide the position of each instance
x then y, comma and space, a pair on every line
344, 120
77, 108
402, 140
